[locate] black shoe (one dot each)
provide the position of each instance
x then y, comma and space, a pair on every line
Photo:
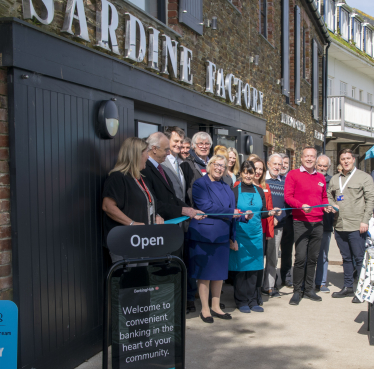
355, 300
191, 306
259, 297
275, 293
208, 319
295, 299
311, 295
265, 292
226, 316
344, 292
288, 284
221, 306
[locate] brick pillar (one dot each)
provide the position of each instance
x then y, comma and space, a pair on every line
6, 279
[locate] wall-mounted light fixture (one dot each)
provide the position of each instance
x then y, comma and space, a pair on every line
257, 58
251, 59
210, 23
312, 107
214, 22
108, 119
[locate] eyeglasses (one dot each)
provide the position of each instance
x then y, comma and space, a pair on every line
219, 166
202, 144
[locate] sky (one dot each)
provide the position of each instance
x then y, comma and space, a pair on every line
367, 6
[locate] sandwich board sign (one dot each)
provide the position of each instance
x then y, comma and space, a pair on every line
8, 334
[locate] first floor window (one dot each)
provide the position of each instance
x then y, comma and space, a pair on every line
353, 93
344, 24
361, 95
343, 88
155, 8
370, 99
329, 87
263, 17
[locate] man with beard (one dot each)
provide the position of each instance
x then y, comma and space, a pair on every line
323, 165
185, 150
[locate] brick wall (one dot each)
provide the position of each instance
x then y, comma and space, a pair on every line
6, 280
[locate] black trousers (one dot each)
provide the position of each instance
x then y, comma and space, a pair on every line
286, 249
245, 287
308, 238
351, 245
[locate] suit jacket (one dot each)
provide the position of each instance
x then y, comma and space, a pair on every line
213, 229
168, 204
178, 184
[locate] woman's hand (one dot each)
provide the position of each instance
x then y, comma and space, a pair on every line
237, 213
234, 245
249, 215
277, 211
275, 222
159, 220
137, 223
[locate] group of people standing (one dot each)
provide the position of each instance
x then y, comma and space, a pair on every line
236, 217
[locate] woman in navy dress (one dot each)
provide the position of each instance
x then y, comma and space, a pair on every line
210, 237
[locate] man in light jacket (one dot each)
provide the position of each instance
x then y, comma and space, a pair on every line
352, 191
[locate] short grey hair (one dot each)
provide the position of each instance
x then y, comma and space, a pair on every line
283, 155
186, 140
154, 139
203, 136
213, 159
324, 156
274, 155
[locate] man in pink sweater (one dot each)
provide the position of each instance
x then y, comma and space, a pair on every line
306, 187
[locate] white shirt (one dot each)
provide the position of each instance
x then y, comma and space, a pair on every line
173, 159
268, 176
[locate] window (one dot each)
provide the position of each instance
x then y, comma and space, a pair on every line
370, 99
330, 14
191, 14
263, 18
143, 129
156, 8
353, 95
344, 24
356, 32
286, 47
329, 87
304, 53
361, 95
315, 84
343, 88
368, 41
297, 54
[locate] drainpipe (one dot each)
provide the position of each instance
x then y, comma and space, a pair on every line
325, 97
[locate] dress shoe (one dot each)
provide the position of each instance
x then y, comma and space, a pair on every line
288, 284
324, 289
225, 316
311, 295
275, 293
191, 306
344, 292
245, 309
221, 306
208, 319
355, 300
257, 309
295, 299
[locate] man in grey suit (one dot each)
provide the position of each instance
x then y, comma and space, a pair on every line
171, 164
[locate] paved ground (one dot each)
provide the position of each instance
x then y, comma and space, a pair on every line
325, 335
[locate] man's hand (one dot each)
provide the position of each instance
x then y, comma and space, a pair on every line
234, 245
249, 215
275, 222
192, 213
237, 213
278, 212
364, 227
159, 220
306, 208
333, 210
328, 209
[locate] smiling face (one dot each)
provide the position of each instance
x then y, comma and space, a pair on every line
175, 143
217, 169
160, 153
185, 150
259, 170
232, 160
285, 166
275, 166
247, 177
347, 161
308, 159
202, 148
322, 165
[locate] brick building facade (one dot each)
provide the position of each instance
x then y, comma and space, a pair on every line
245, 42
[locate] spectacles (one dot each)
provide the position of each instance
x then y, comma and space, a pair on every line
202, 144
220, 166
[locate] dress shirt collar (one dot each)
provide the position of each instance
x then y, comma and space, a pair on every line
154, 162
348, 174
268, 176
302, 169
172, 158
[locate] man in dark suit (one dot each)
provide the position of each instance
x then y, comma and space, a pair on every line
168, 204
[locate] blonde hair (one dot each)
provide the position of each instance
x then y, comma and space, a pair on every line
213, 159
253, 156
236, 168
262, 178
129, 156
221, 150
339, 167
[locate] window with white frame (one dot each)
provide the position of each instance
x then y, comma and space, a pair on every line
353, 95
369, 41
344, 24
343, 88
370, 99
329, 86
329, 14
357, 32
361, 95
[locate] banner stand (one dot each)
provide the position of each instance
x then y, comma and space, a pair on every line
107, 298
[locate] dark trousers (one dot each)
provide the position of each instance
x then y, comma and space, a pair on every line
351, 245
191, 282
308, 238
286, 249
245, 288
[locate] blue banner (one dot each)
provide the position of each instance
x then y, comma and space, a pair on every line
8, 334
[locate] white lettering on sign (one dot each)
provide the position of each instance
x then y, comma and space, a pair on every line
153, 241
292, 122
1, 351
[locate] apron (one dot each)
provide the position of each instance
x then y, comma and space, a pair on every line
248, 235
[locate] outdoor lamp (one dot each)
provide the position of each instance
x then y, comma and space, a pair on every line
108, 122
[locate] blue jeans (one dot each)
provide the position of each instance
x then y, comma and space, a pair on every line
351, 245
323, 261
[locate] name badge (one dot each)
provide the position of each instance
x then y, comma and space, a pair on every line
151, 209
340, 198
320, 184
266, 190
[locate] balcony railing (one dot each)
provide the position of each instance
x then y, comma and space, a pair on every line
348, 114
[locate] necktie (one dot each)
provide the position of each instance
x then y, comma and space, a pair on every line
177, 169
161, 170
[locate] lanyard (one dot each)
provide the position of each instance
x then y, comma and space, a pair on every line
340, 181
145, 189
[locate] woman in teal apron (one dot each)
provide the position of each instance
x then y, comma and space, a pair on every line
246, 254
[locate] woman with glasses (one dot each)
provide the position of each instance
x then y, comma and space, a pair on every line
246, 254
209, 238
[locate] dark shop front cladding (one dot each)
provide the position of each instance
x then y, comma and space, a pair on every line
59, 159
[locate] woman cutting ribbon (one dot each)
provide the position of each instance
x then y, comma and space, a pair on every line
246, 254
